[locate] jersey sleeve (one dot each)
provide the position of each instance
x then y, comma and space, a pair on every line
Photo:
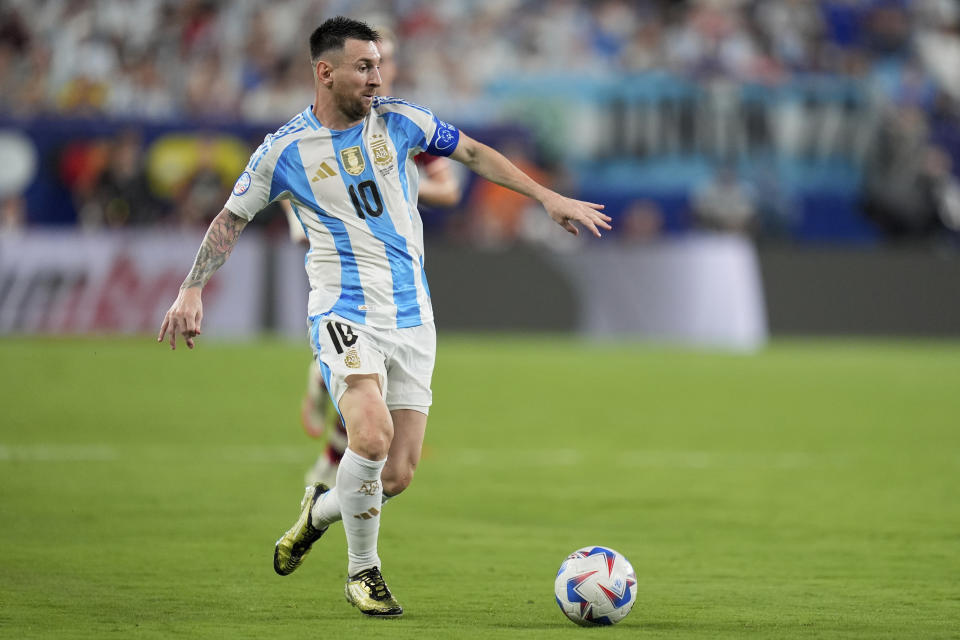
423, 130
251, 192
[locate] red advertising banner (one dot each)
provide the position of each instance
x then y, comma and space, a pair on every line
64, 282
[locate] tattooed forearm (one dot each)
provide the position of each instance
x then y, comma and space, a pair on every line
216, 247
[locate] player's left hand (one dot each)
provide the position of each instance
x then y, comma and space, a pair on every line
566, 211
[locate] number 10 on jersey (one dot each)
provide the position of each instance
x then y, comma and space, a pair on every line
366, 199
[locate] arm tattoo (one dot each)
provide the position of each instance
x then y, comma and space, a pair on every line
216, 247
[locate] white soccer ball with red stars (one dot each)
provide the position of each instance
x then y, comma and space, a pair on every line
596, 586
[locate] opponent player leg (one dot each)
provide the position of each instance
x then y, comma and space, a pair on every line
314, 403
324, 469
296, 542
317, 411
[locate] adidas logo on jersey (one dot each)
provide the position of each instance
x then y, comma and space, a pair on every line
323, 172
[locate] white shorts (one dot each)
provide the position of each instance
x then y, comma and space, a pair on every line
403, 359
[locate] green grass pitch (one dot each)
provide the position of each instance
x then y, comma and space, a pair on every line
811, 491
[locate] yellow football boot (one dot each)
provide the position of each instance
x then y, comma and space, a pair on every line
296, 542
368, 592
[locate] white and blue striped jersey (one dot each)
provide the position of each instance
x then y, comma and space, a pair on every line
355, 193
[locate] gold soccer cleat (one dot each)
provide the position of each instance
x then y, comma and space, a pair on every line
368, 592
296, 542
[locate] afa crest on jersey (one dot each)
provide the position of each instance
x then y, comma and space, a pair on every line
381, 151
352, 159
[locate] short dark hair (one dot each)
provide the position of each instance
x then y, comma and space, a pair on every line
333, 33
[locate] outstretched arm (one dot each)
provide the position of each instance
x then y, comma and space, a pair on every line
186, 313
493, 166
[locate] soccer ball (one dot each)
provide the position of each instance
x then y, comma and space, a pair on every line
595, 586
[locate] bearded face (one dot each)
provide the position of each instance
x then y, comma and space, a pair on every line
356, 78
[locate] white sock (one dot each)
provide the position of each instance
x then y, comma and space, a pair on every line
360, 494
327, 509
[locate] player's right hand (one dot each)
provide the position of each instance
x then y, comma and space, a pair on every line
565, 211
184, 316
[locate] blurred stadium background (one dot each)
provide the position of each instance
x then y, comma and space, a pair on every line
781, 167
775, 169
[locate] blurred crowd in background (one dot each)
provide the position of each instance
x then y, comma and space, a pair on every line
248, 59
152, 62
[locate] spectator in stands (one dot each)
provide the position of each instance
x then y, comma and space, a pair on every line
13, 213
212, 89
938, 44
905, 177
18, 157
281, 93
140, 89
203, 187
104, 57
119, 195
641, 221
725, 202
15, 41
946, 188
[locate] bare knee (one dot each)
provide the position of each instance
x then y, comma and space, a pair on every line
371, 442
368, 422
396, 478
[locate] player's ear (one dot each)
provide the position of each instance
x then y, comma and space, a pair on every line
323, 72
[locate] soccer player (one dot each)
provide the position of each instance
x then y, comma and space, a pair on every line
438, 187
345, 164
